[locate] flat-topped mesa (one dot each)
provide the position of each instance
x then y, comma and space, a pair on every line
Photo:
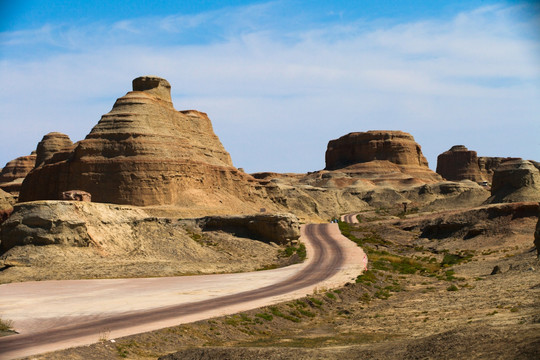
459, 163
156, 86
381, 155
144, 152
397, 147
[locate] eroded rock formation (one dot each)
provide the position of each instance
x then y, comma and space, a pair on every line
51, 144
15, 171
144, 152
69, 239
277, 228
459, 163
380, 154
515, 180
537, 236
6, 205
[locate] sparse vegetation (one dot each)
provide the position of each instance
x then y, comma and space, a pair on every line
6, 325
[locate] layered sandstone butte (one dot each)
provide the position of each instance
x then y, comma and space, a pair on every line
459, 163
379, 152
514, 181
52, 144
15, 171
144, 152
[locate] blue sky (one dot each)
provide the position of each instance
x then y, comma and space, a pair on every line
279, 79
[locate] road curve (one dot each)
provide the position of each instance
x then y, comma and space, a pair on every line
350, 218
332, 261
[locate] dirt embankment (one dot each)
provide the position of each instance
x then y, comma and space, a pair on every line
57, 240
423, 297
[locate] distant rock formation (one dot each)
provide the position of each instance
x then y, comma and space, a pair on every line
15, 171
51, 144
514, 181
144, 152
488, 165
379, 152
459, 163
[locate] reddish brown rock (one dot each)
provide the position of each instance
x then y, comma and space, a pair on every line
51, 144
459, 163
15, 171
379, 152
144, 152
76, 195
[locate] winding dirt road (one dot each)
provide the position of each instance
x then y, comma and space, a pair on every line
350, 218
52, 315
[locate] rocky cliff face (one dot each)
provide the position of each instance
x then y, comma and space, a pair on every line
515, 180
52, 144
15, 171
459, 163
144, 152
379, 152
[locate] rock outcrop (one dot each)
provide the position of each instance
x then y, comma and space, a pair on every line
51, 144
15, 171
277, 228
487, 220
144, 152
6, 205
77, 195
70, 240
459, 163
537, 236
375, 153
514, 181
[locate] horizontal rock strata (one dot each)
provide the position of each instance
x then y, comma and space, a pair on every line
459, 163
53, 144
15, 171
144, 152
367, 153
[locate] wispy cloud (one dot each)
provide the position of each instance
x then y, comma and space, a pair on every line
275, 87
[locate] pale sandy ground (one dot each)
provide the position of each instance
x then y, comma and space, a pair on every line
35, 306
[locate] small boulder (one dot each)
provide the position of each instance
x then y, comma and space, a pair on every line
76, 195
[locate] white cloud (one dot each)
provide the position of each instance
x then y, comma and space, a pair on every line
277, 96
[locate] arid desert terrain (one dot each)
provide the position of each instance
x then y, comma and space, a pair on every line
151, 192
